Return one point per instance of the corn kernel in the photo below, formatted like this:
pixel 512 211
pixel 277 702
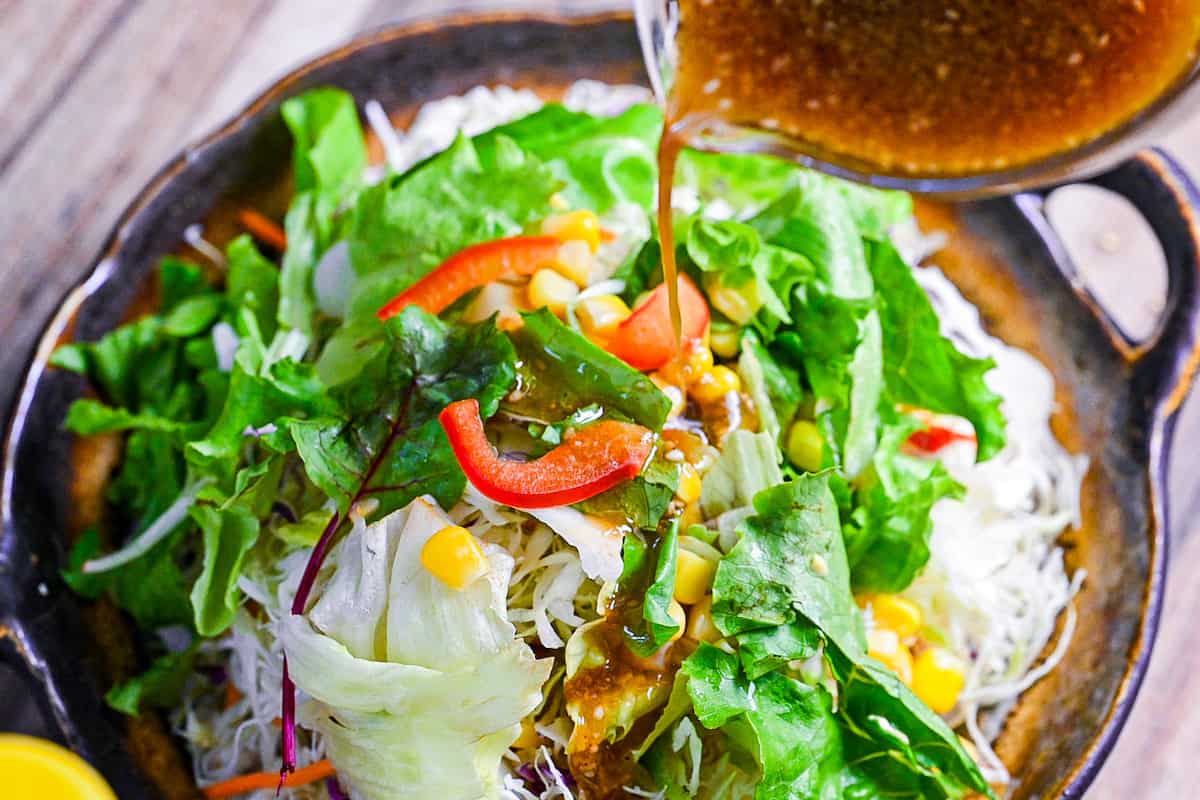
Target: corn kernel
pixel 885 646
pixel 550 289
pixel 600 315
pixel 895 613
pixel 496 298
pixel 725 341
pixel 700 547
pixel 691 515
pixel 697 360
pixel 714 384
pixel 454 557
pixel 679 616
pixel 938 677
pixel 688 489
pixel 528 738
pixel 580 225
pixel 805 446
pixel 673 392
pixel 693 577
pixel 575 261
pixel 700 625
pixel 739 304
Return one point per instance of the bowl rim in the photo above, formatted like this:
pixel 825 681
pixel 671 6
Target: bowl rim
pixel 1185 363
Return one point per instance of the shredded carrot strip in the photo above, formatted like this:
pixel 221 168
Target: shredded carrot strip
pixel 263 229
pixel 232 695
pixel 268 780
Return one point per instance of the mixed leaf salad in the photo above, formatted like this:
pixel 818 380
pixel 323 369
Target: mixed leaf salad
pixel 422 497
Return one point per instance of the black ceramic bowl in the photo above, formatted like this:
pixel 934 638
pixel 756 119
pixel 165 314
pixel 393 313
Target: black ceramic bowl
pixel 1119 399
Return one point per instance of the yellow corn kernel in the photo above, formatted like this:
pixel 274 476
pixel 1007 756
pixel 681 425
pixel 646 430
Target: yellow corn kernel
pixel 575 261
pixel 700 547
pixel 734 303
pixel 529 737
pixel 679 616
pixel 690 515
pixel 697 360
pixel 693 577
pixel 600 315
pixel 671 391
pixel 805 446
pixel 938 677
pixel 714 384
pixel 700 625
pixel 896 613
pixel 550 289
pixel 885 646
pixel 688 489
pixel 580 225
pixel 454 557
pixel 725 341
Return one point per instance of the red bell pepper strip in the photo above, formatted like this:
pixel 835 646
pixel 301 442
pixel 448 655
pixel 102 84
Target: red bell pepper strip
pixel 935 437
pixel 646 340
pixel 596 458
pixel 473 267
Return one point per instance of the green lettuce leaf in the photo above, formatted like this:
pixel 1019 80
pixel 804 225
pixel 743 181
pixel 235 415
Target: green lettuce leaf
pixel 151 589
pixel 748 464
pixel 642 272
pixel 816 219
pixel 87 417
pixel 887 537
pixel 788 725
pixel 386 441
pixel 229 534
pixel 922 368
pixel 328 152
pixel 734 259
pixel 601 161
pixel 790 566
pixel 896 745
pixel 643 500
pixel 406 225
pixel 179 279
pixel 160 686
pixel 193 316
pixel 310 229
pixel 260 394
pixel 745 182
pixel 328 159
pixel 111 363
pixel 649 573
pixel 774 387
pixel 252 283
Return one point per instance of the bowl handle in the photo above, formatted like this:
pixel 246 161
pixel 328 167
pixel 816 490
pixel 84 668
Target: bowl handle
pixel 1165 363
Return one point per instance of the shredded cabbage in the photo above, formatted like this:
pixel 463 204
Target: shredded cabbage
pixel 996 583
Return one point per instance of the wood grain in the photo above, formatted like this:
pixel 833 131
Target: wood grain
pixel 95 95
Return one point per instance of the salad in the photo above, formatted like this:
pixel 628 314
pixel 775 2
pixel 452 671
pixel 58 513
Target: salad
pixel 421 496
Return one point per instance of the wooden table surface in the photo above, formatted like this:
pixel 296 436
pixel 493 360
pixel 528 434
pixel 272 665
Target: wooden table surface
pixel 95 95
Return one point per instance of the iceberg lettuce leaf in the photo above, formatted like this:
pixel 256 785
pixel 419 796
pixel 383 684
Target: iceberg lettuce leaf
pixel 421 650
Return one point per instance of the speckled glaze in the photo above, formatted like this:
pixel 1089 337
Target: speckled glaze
pixel 1119 398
